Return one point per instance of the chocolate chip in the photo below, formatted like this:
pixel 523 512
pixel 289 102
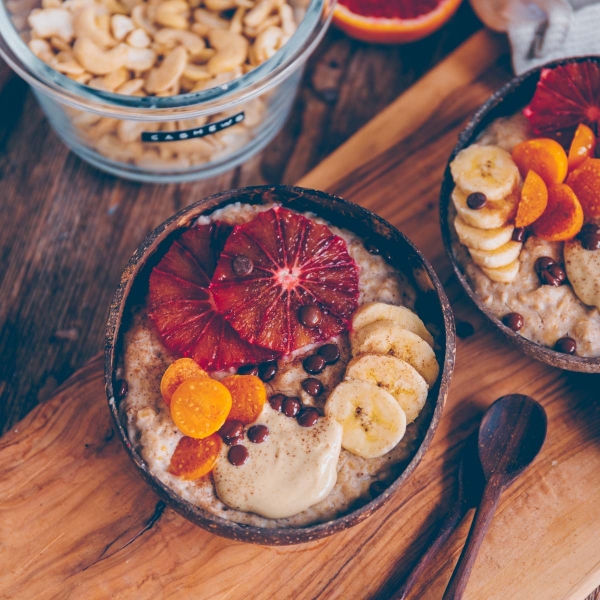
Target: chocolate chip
pixel 122 389
pixel 276 401
pixel 543 262
pixel 314 364
pixel 232 432
pixel 518 234
pixel 242 265
pixel 248 370
pixel 257 434
pixel 590 241
pixel 267 371
pixel 308 417
pixel 377 488
pixel 513 320
pixel 291 407
pixel 464 329
pixel 549 279
pixel 476 200
pixel 566 345
pixel 330 352
pixel 372 248
pixel 238 455
pixel 312 386
pixel 310 315
pixel 557 272
pixel 590 236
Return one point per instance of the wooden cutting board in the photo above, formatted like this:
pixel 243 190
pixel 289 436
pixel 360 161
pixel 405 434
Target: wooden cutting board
pixel 76 521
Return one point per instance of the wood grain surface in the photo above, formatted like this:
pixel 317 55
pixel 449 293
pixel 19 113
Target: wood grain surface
pixel 77 522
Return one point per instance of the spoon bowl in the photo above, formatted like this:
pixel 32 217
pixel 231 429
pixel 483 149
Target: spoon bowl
pixel 511 435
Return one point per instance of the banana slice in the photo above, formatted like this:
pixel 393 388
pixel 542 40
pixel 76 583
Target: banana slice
pixel 494 259
pixel 369 312
pixel 583 272
pixel 372 421
pixel 492 216
pixel 388 338
pixel 482 239
pixel 486 169
pixel 394 376
pixel 503 274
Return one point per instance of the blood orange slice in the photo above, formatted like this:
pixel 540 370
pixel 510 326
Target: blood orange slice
pixel 294 262
pixel 565 97
pixel 392 21
pixel 182 307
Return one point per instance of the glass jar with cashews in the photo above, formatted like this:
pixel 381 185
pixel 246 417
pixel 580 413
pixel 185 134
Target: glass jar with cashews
pixel 163 90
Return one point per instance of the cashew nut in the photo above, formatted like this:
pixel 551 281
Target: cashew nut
pixel 116 78
pixel 131 87
pixel 170 38
pixel 173 13
pixel 196 72
pixel 232 50
pixel 97 60
pixel 60 44
pixel 210 20
pixel 140 59
pixel 288 22
pixel 259 13
pixel 50 22
pixel 220 5
pixel 121 26
pixel 138 16
pixel 131 131
pixel 85 26
pixel 237 21
pixel 112 147
pixel 65 63
pixel 138 38
pixel 267 43
pixel 168 73
pixel 41 49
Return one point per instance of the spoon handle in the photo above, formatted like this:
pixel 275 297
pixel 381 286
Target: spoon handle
pixel 449 524
pixel 481 523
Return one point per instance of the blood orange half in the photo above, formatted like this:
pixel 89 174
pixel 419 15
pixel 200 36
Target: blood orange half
pixel 392 21
pixel 566 96
pixel 295 263
pixel 182 307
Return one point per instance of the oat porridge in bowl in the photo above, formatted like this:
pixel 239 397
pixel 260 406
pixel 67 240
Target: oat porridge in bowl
pixel 520 213
pixel 277 361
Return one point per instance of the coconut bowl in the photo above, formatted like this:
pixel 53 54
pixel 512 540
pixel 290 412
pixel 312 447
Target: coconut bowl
pixel 432 305
pixel 509 99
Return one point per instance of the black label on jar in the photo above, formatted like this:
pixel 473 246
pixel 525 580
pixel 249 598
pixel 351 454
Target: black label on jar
pixel 197 132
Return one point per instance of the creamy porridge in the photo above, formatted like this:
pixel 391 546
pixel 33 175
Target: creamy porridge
pixel 318 464
pixel 526 276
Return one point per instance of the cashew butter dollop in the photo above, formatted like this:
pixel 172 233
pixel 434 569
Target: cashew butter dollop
pixel 294 468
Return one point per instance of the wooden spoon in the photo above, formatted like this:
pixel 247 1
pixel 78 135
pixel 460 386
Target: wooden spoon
pixel 511 435
pixel 471 482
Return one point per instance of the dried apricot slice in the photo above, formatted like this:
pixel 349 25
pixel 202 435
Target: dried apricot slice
pixel 544 156
pixel 582 146
pixel 563 218
pixel 200 406
pixel 248 396
pixel 534 199
pixel 178 372
pixel 194 458
pixel 585 182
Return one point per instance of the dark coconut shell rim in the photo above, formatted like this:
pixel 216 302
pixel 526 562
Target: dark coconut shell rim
pixel 510 98
pixel 337 211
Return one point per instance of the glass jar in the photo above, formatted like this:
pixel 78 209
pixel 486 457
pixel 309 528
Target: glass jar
pixel 173 138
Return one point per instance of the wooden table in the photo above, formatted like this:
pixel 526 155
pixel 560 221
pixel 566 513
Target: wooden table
pixel 63 244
